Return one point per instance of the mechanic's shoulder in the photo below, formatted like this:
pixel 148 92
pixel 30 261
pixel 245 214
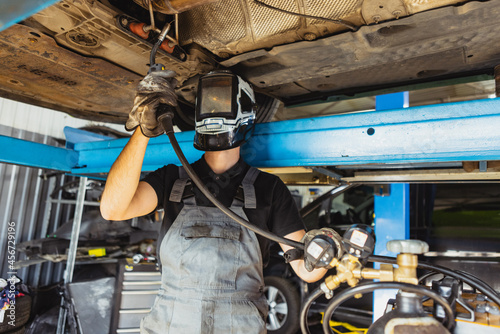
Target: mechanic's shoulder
pixel 267 179
pixel 171 167
pixel 167 171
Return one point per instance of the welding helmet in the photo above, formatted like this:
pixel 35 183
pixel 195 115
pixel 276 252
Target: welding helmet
pixel 224 113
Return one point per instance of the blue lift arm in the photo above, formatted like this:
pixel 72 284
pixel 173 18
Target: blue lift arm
pixel 31 154
pixel 463 131
pixel 14 11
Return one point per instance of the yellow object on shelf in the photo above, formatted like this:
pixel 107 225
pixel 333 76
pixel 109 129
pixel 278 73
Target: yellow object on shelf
pixel 97 252
pixel 352 329
pixel 334 325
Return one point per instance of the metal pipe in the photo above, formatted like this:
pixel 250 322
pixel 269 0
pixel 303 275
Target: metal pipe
pixel 73 245
pixel 497 80
pixel 45 227
pixel 69 201
pixel 151 15
pixel 151 26
pixel 178 6
pixel 50 272
pixel 177 27
pixel 75 232
pixel 21 215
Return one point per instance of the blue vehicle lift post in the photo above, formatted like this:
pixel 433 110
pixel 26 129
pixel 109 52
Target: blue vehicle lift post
pixel 392 210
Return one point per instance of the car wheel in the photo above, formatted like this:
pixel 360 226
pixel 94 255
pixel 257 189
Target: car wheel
pixel 267 107
pixel 284 306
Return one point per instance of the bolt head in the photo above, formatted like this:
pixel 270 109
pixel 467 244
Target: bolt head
pixel 310 36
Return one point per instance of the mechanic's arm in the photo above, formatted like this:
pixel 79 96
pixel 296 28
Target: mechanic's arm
pixel 124 197
pixel 298 265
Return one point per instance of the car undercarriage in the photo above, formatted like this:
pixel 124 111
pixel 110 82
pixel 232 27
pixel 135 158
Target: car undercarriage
pixel 86 57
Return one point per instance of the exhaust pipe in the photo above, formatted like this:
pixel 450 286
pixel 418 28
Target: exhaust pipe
pixel 173 6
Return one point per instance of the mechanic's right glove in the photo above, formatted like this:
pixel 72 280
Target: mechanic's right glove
pixel 321 247
pixel 157 88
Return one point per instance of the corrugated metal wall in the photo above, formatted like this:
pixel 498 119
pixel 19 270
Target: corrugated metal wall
pixel 23 201
pixel 42 120
pixel 24 191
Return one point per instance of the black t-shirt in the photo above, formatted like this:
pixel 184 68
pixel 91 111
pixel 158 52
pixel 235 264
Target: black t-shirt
pixel 276 209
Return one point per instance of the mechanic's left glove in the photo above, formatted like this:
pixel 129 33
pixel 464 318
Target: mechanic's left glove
pixel 157 88
pixel 321 247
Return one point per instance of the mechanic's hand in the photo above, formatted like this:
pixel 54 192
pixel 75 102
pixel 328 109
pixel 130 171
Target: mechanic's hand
pixel 321 246
pixel 155 89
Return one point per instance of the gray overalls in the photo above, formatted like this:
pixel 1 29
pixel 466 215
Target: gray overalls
pixel 211 271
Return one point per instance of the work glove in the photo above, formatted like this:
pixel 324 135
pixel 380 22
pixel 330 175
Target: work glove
pixel 321 246
pixel 155 89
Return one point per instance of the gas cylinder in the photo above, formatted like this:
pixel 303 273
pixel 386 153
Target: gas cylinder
pixel 407 317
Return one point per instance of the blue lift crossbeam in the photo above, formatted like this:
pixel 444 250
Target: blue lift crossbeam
pixel 463 131
pixel 14 11
pixel 31 154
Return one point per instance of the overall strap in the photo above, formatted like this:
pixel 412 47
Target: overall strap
pixel 178 192
pixel 178 189
pixel 248 188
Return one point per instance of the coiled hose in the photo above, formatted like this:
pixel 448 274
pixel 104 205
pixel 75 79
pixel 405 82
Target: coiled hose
pixel 305 310
pixel 372 286
pixel 471 280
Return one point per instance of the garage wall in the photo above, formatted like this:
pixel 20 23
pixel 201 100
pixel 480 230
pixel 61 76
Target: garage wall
pixel 43 121
pixel 23 201
pixel 25 190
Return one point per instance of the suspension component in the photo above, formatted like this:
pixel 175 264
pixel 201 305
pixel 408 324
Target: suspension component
pixel 172 6
pixel 150 35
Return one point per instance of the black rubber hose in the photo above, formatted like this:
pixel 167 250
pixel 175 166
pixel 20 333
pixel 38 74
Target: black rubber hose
pixel 433 272
pixel 479 281
pixel 318 201
pixel 467 278
pixel 154 50
pixel 305 310
pixel 166 122
pixel 470 279
pixel 372 286
pixel 429 274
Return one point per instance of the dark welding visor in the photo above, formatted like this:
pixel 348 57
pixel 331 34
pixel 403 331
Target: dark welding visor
pixel 217 97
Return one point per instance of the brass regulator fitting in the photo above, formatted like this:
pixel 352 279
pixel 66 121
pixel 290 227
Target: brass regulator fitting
pixel 350 269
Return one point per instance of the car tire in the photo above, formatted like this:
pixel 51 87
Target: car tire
pixel 267 107
pixel 284 306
